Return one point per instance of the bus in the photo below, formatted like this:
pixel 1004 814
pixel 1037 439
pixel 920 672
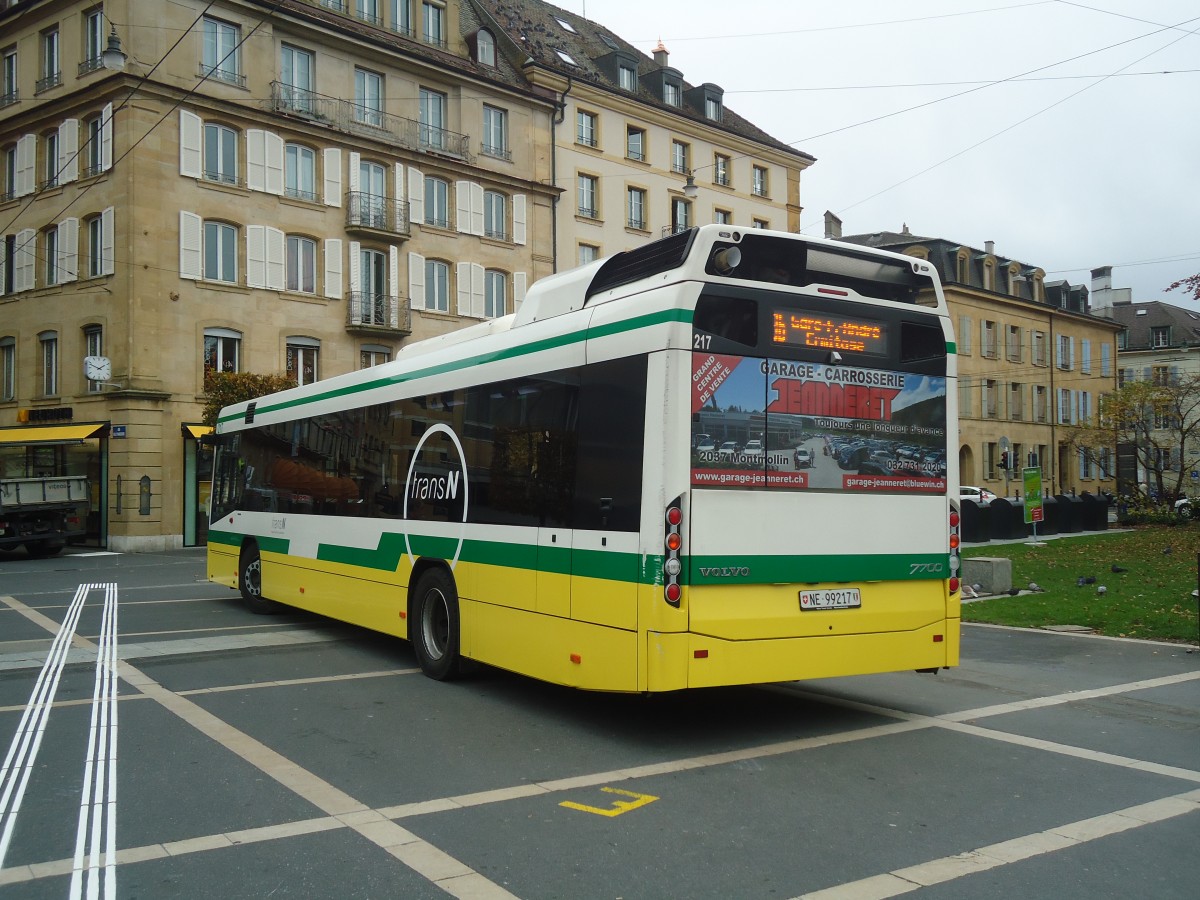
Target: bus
pixel 604 489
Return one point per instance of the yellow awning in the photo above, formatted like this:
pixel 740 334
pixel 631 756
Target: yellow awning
pixel 50 434
pixel 197 431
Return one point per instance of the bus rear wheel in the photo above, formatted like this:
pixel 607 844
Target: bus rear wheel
pixel 250 582
pixel 434 628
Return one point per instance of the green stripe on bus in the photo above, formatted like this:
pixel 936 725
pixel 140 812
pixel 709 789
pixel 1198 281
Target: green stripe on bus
pixel 735 569
pixel 650 319
pixel 951 347
pixel 234 539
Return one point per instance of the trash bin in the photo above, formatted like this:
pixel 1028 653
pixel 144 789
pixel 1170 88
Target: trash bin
pixel 975 527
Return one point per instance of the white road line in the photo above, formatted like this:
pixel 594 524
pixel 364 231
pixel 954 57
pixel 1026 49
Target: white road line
pixel 18 763
pixel 98 812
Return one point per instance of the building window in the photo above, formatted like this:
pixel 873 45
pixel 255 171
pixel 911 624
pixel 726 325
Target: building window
pixel 587 196
pixel 372 196
pixel 368 98
pixel 635 208
pixel 296 77
pixel 93 150
pixel 300 172
pixel 220 53
pixel 371 355
pixel 681 214
pixel 93 342
pixel 402 17
pixel 585 128
pixel 1123 339
pixel 368 11
pixel 51 71
pixel 991 398
pixel 8 264
pixel 671 93
pixel 437 202
pixel 1012 347
pixel 495 215
pixel 627 78
pixel 301 264
pixel 95 246
pixel 220 153
pixel 712 109
pixel 437 285
pixel 433 119
pixel 987 339
pixel 588 253
pixel 495 288
pixel 759 183
pixel 8 368
pixel 1016 398
pixel 220 252
pixel 761 224
pixel 49 144
pixel 495 132
pixel 1066 352
pixel 222 351
pixel 9 93
pixel 1064 406
pixel 1160 336
pixel 679 157
pixel 485 48
pixel 1040 404
pixel 50 241
pixel 1040 351
pixel 721 170
pixel 93 41
pixel 722 217
pixel 49 342
pixel 635 143
pixel 434 18
pixel 303 355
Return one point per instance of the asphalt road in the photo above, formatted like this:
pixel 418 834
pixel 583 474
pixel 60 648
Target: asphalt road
pixel 242 756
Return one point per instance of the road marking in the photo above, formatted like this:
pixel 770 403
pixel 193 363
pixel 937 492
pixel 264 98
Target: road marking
pixel 18 763
pixel 619 807
pixel 950 868
pixel 98 812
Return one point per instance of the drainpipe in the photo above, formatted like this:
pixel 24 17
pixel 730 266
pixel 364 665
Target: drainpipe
pixel 1053 448
pixel 556 119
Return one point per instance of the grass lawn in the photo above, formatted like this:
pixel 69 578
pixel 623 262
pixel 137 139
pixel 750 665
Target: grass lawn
pixel 1150 597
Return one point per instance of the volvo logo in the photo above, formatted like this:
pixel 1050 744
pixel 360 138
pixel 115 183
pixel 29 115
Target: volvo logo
pixel 725 572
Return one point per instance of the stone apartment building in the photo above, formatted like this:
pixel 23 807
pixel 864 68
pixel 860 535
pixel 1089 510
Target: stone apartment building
pixel 306 187
pixel 1033 359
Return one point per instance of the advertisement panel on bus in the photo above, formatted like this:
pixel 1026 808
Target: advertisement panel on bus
pixel 804 425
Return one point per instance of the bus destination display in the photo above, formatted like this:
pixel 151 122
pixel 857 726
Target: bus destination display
pixel 826 332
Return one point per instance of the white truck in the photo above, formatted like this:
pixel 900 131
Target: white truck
pixel 43 513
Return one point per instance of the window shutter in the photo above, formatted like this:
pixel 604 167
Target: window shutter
pixel 393 286
pixel 107 242
pixel 25 261
pixel 983 347
pixel 462 206
pixel 398 191
pixel 416 278
pixel 256 159
pixel 1085 354
pixel 520 280
pixel 463 277
pixel 68 151
pixel 274 160
pixel 68 249
pixel 477 309
pixel 477 209
pixel 106 137
pixel 26 163
pixel 333 181
pixel 276 258
pixel 3 272
pixel 416 195
pixel 333 268
pixel 355 250
pixel 256 256
pixel 1071 353
pixel 191 234
pixel 191 136
pixel 518 204
pixel 354 160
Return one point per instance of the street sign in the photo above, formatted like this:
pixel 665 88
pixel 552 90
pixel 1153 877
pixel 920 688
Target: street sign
pixel 118 431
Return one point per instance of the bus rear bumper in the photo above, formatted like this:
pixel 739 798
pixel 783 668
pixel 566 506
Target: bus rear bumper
pixel 686 660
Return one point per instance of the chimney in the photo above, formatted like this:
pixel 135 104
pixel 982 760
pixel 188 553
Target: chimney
pixel 990 247
pixel 1101 278
pixel 660 55
pixel 1104 295
pixel 833 226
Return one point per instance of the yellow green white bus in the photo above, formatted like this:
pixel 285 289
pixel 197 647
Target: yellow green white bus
pixel 720 458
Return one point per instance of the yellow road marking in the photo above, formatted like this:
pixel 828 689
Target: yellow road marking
pixel 618 806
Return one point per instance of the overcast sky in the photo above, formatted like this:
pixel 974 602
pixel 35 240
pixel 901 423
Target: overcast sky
pixel 1063 172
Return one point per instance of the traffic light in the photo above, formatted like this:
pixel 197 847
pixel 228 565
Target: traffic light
pixel 1004 461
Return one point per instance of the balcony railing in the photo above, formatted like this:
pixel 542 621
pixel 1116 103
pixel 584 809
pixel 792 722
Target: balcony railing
pixel 91 65
pixel 219 73
pixel 51 80
pixel 10 98
pixel 376 213
pixel 669 230
pixel 368 310
pixel 639 223
pixel 348 116
pixel 497 152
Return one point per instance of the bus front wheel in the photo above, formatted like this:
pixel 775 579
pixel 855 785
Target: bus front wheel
pixel 250 582
pixel 434 625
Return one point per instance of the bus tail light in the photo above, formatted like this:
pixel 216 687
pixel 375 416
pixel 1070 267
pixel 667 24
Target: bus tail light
pixel 955 540
pixel 672 543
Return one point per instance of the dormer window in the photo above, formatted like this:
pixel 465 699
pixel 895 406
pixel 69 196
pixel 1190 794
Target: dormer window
pixel 629 79
pixel 485 48
pixel 712 109
pixel 671 93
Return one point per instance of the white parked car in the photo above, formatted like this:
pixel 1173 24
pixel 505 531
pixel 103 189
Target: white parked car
pixel 803 458
pixel 978 494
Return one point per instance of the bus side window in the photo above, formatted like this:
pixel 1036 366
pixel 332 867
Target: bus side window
pixel 732 318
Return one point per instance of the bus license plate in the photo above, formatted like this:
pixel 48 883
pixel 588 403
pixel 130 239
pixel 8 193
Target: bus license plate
pixel 844 598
